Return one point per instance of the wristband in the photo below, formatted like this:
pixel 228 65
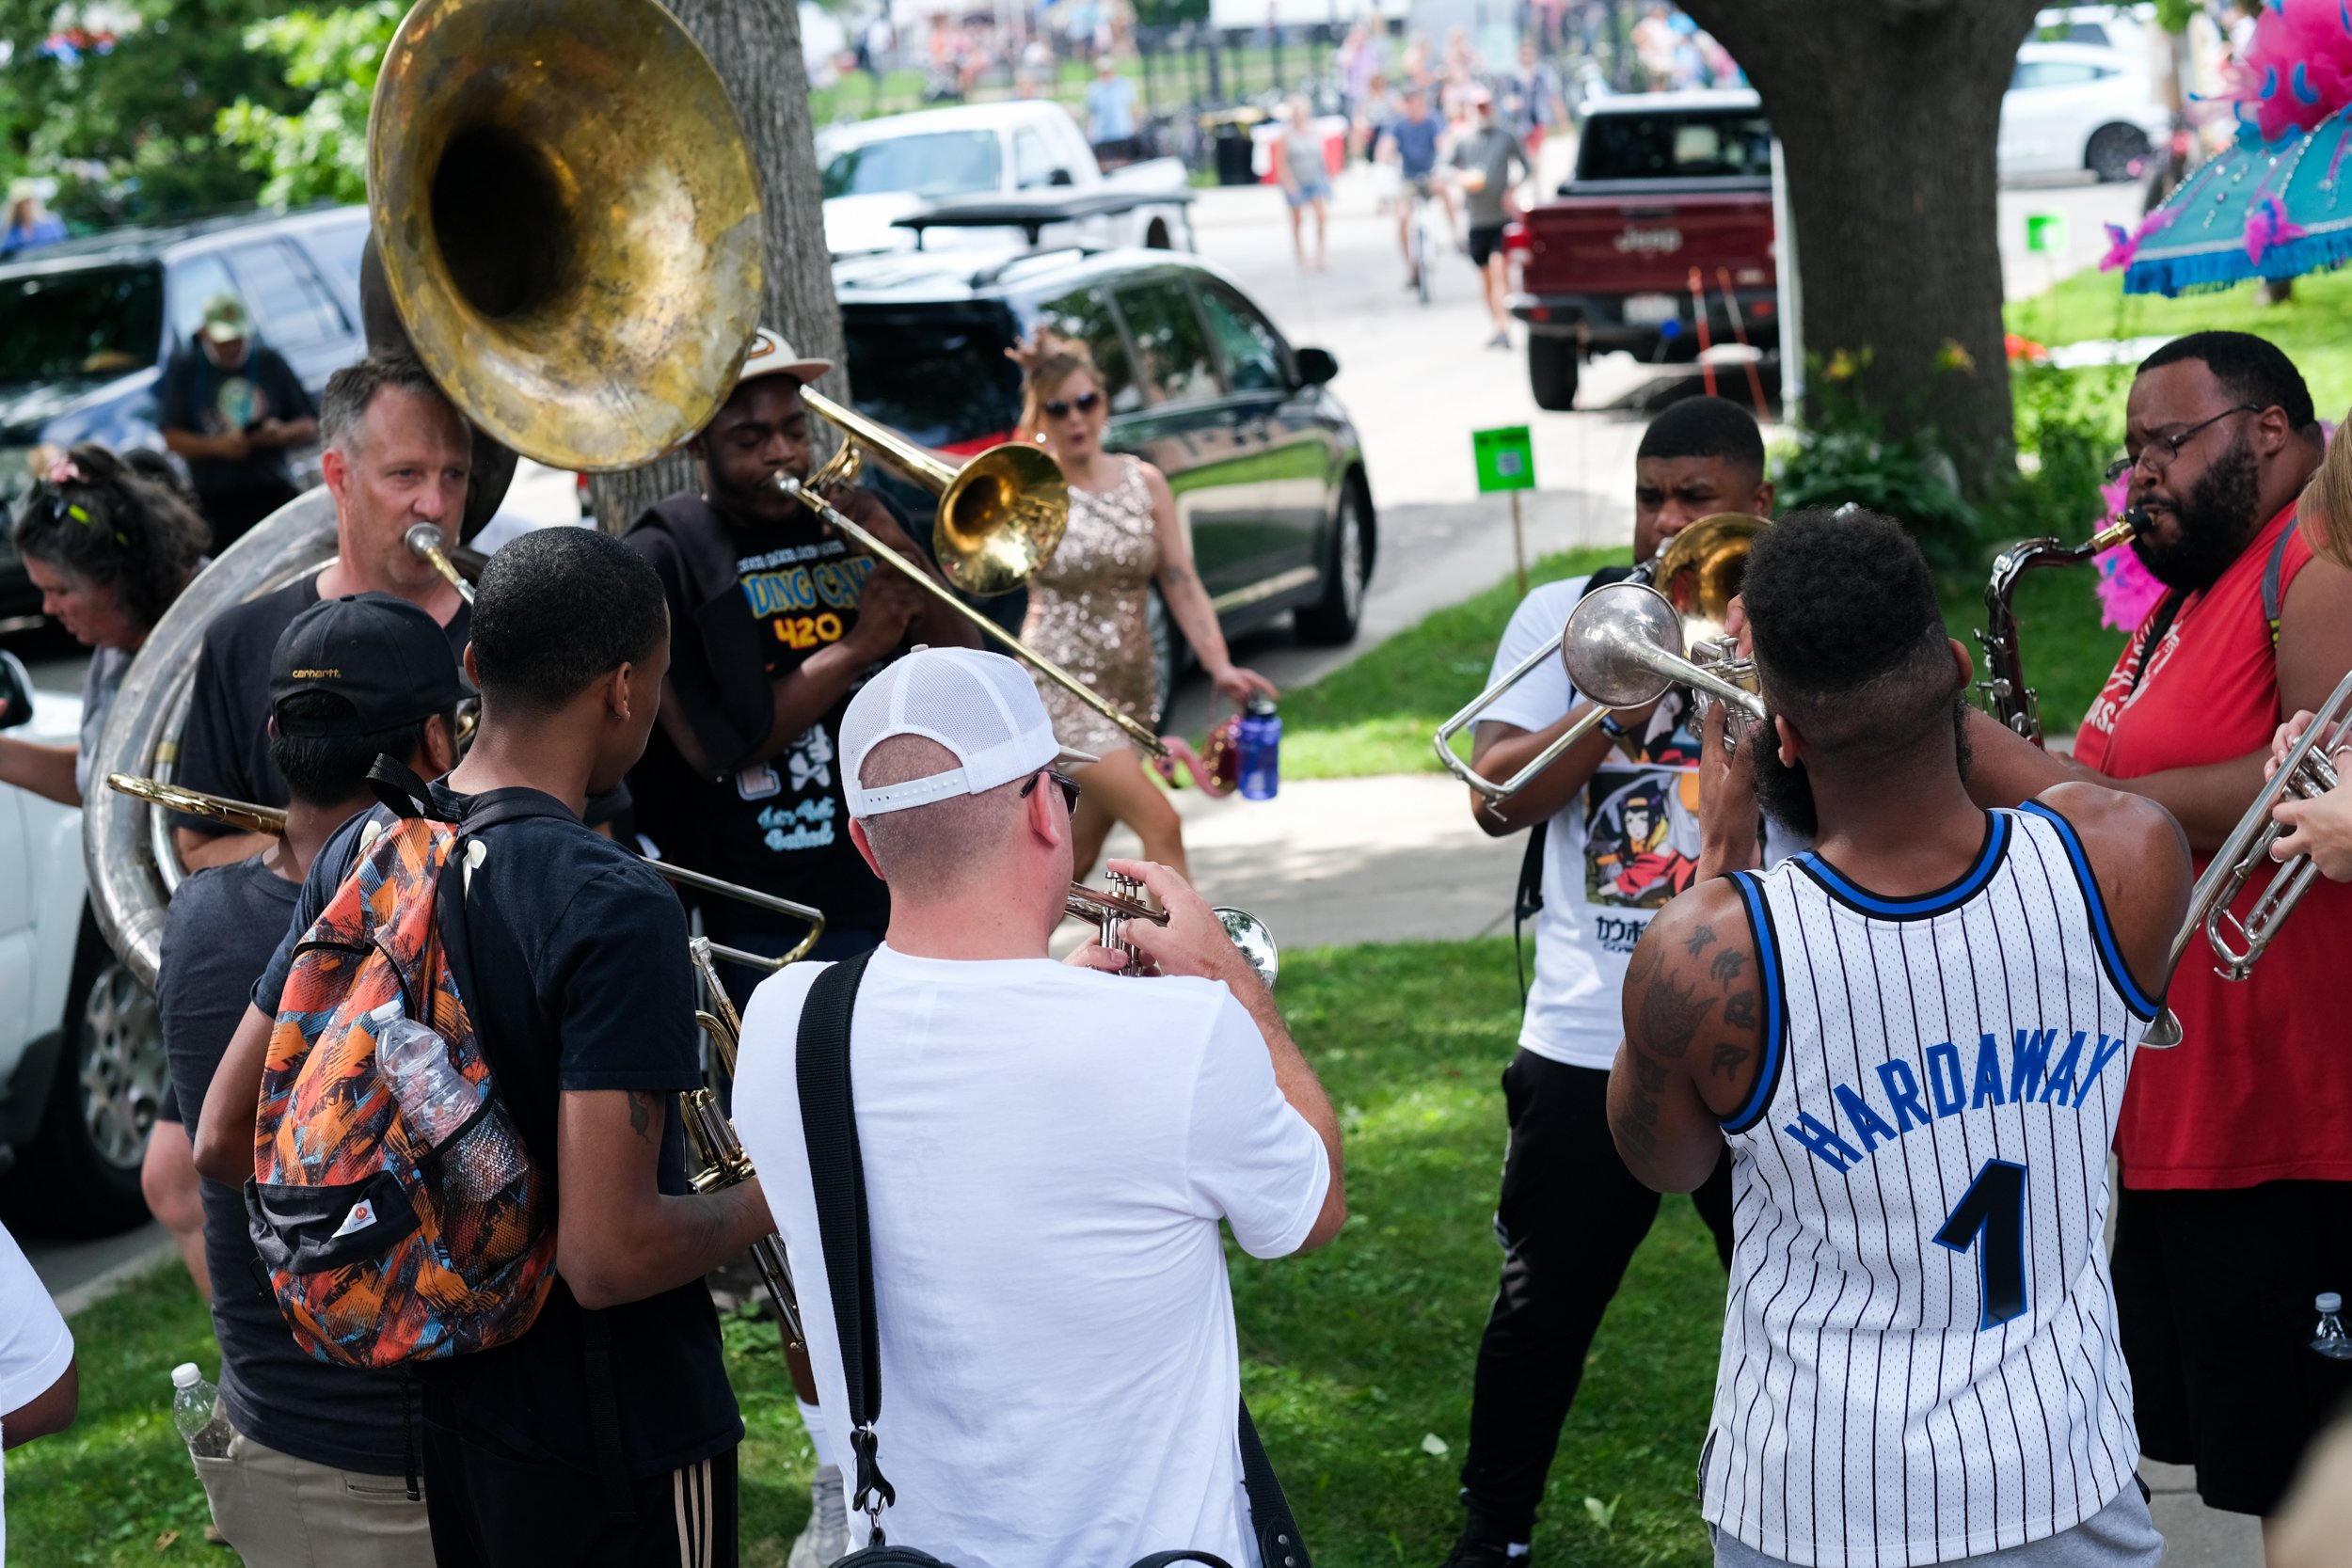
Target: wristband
pixel 1610 727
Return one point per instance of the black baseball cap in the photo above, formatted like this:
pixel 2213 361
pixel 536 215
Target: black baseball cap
pixel 386 660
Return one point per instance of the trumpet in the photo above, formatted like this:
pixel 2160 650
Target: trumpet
pixel 712 1136
pixel 2239 943
pixel 2010 700
pixel 999 519
pixel 1110 911
pixel 1701 568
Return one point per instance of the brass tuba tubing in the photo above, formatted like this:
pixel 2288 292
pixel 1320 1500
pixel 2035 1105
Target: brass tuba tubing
pixel 807 495
pixel 425 542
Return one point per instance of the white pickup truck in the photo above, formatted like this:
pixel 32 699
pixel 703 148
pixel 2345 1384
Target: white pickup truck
pixel 81 1055
pixel 877 171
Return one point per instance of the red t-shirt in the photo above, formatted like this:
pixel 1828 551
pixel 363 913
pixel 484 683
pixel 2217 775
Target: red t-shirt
pixel 2258 1089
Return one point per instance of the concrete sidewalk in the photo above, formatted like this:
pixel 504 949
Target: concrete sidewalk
pixel 1335 861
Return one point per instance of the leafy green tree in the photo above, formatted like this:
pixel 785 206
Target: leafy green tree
pixel 318 153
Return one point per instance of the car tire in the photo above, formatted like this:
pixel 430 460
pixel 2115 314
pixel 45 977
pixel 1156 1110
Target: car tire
pixel 1167 649
pixel 2115 152
pixel 84 1163
pixel 1333 619
pixel 1551 371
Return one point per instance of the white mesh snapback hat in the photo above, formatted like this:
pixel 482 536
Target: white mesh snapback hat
pixel 983 708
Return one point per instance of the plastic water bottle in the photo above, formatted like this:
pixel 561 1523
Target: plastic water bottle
pixel 436 1101
pixel 196 1410
pixel 2330 1338
pixel 1260 750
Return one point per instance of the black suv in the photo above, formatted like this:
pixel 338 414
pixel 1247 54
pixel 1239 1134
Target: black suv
pixel 1266 468
pixel 86 327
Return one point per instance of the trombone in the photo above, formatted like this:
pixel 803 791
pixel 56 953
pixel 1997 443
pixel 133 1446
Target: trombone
pixel 1000 517
pixel 2238 941
pixel 1701 567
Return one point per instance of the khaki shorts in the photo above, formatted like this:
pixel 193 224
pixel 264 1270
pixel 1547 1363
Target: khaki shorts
pixel 279 1512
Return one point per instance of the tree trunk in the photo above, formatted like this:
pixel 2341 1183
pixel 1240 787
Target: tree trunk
pixel 1888 112
pixel 756 45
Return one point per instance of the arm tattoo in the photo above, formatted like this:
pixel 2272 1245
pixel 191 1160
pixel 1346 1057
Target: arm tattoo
pixel 645 1114
pixel 1727 1059
pixel 1671 1014
pixel 1727 964
pixel 1740 1012
pixel 1699 941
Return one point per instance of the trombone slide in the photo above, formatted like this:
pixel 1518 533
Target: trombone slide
pixel 1141 735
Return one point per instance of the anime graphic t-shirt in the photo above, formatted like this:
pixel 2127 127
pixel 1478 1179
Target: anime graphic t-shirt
pixel 1613 856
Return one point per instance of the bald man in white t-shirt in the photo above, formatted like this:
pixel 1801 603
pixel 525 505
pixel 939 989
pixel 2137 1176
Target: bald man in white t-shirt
pixel 1047 1149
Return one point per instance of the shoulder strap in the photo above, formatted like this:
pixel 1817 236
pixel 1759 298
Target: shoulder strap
pixel 1279 1545
pixel 2274 573
pixel 837 1178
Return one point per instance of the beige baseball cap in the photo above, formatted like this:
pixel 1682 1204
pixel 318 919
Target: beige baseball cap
pixel 771 355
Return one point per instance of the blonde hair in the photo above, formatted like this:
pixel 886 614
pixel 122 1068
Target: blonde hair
pixel 2326 503
pixel 1045 379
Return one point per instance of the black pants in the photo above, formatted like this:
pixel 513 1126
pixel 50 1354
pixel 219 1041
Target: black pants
pixel 1569 1218
pixel 233 514
pixel 489 1510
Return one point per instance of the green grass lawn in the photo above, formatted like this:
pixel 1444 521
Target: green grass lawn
pixel 1355 1357
pixel 2315 326
pixel 1376 715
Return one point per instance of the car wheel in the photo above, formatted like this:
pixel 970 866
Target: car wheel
pixel 2116 153
pixel 1551 371
pixel 1333 619
pixel 1162 631
pixel 84 1164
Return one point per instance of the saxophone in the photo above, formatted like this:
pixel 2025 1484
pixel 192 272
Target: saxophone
pixel 2011 700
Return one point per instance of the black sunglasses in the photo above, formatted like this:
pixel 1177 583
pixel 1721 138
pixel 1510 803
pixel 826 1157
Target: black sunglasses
pixel 1085 403
pixel 1068 787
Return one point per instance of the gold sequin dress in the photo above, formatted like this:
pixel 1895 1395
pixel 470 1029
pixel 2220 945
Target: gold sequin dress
pixel 1087 612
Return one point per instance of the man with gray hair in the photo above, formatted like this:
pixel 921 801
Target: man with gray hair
pixel 1047 1150
pixel 397 454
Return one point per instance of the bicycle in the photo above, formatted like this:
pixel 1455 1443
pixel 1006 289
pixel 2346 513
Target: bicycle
pixel 1425 244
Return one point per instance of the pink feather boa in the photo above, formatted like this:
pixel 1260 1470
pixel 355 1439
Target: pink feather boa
pixel 2297 71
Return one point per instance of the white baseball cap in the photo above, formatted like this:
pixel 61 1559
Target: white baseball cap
pixel 771 353
pixel 983 708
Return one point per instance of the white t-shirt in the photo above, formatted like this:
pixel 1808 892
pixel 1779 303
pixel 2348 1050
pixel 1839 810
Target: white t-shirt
pixel 1614 855
pixel 1047 1153
pixel 36 1347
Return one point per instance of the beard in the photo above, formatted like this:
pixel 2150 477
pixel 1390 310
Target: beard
pixel 2216 517
pixel 1786 793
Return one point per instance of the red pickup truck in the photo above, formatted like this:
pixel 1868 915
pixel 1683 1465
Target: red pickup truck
pixel 1666 185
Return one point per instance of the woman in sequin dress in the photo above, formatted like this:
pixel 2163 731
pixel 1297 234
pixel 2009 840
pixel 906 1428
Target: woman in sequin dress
pixel 1087 606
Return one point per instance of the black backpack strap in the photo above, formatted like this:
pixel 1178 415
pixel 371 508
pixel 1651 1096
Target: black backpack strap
pixel 403 794
pixel 838 1178
pixel 2274 579
pixel 1279 1545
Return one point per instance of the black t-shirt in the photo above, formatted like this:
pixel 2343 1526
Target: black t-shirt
pixel 223 926
pixel 198 395
pixel 749 604
pixel 576 973
pixel 224 747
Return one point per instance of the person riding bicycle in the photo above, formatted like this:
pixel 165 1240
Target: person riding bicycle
pixel 1413 134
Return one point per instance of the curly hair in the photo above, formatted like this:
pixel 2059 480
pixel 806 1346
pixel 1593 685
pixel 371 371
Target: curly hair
pixel 107 522
pixel 1044 378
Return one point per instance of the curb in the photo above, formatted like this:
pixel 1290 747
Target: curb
pixel 107 1281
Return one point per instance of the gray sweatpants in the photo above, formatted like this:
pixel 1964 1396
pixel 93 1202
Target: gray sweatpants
pixel 2120 1535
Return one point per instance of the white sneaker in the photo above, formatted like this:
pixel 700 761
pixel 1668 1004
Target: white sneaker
pixel 825 1540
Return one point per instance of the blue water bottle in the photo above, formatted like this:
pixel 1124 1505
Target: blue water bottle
pixel 1260 750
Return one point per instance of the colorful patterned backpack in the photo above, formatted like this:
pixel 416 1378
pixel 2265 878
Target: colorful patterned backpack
pixel 400 1215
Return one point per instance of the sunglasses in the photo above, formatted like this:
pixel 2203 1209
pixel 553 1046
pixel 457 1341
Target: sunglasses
pixel 1085 403
pixel 1068 787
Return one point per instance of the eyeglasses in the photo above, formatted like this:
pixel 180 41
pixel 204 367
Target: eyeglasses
pixel 2160 451
pixel 1085 403
pixel 1068 787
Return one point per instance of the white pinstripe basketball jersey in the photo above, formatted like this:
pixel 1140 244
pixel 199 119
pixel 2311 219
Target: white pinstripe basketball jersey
pixel 1920 1359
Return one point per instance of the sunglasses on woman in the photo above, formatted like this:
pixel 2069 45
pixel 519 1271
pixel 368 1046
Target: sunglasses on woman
pixel 1085 403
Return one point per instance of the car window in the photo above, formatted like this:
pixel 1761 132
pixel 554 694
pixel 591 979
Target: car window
pixel 1032 165
pixel 1085 316
pixel 2031 74
pixel 1252 352
pixel 1172 353
pixel 937 163
pixel 1727 144
pixel 935 373
pixel 339 246
pixel 292 307
pixel 91 322
pixel 195 283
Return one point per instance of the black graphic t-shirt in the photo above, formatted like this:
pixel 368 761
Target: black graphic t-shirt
pixel 198 395
pixel 749 605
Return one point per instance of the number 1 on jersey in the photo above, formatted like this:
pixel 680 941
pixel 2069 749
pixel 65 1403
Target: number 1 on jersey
pixel 1990 1218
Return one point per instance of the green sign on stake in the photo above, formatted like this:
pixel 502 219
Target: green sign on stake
pixel 1506 461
